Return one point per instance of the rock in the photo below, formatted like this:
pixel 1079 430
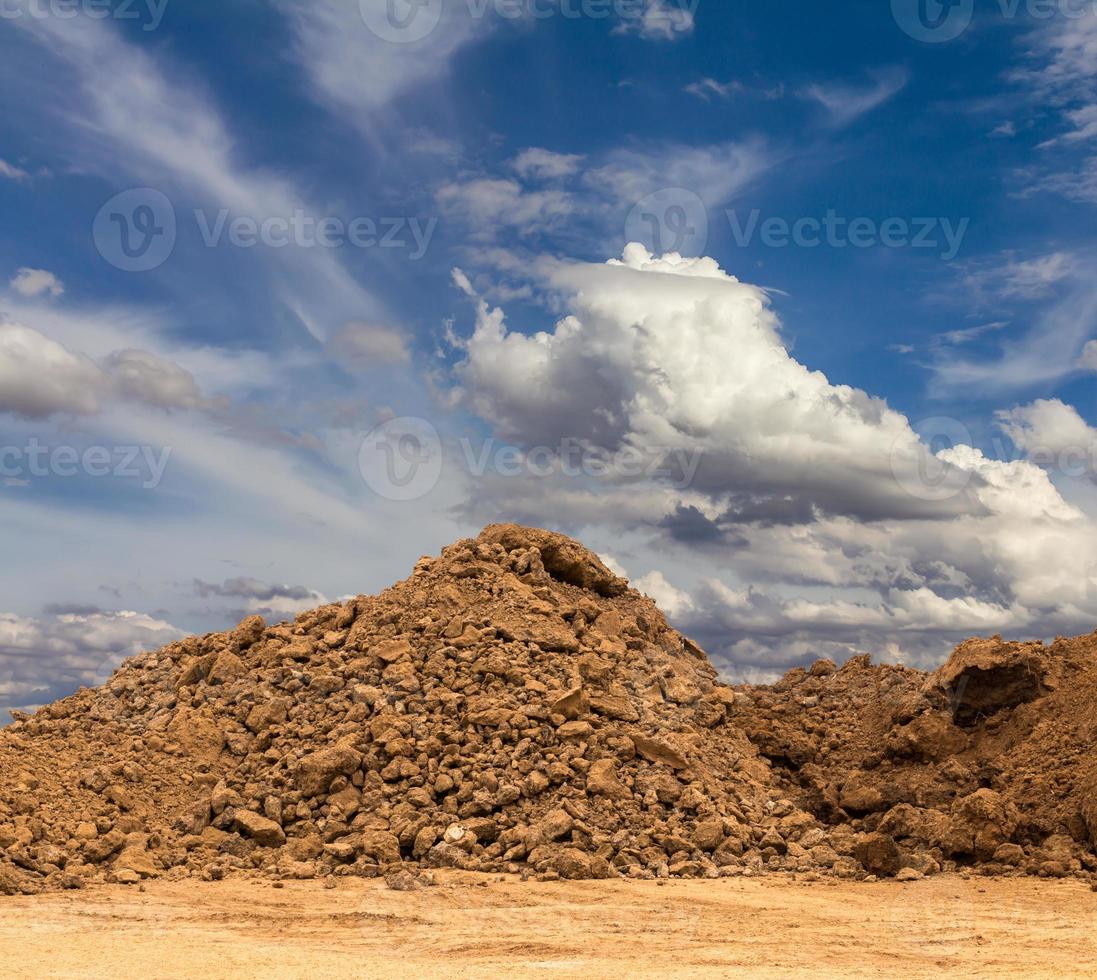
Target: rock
pixel 11 881
pixel 602 780
pixel 392 650
pixel 860 794
pixel 267 715
pixel 136 858
pixel 381 845
pixel 262 830
pixel 198 735
pixel 226 668
pixel 402 881
pixel 657 750
pixel 878 854
pixel 572 705
pixel 567 862
pixel 564 559
pixel 86 831
pixel 981 822
pixel 618 708
pixel 909 874
pixel 315 772
pixel 983 676
pixel 708 835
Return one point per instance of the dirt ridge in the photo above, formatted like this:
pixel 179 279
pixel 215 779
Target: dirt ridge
pixel 514 706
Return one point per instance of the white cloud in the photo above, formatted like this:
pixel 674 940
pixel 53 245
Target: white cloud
pixel 1008 277
pixel 40 377
pixel 666 352
pixel 137 375
pixel 488 204
pixel 1084 121
pixel 846 103
pixel 819 495
pixel 42 659
pixel 353 69
pixel 714 172
pixel 659 20
pixel 707 88
pixel 600 191
pixel 11 172
pixel 539 164
pixel 35 282
pixel 1059 78
pixel 674 602
pixel 125 117
pixel 1046 352
pixel 362 346
pixel 1053 435
pixel 1088 360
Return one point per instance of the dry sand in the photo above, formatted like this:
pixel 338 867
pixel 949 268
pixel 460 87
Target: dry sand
pixel 478 925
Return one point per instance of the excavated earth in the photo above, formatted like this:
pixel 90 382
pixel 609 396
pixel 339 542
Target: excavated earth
pixel 514 707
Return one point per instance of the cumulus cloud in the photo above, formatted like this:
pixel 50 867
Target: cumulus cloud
pixel 45 658
pixel 1053 435
pixel 40 377
pixel 35 282
pixel 669 352
pixel 820 510
pixel 136 375
pixel 674 602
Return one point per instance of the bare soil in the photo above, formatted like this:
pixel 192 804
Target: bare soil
pixel 483 925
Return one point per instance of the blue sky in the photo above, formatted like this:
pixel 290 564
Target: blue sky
pixel 255 254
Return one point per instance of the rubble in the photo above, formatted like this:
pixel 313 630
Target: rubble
pixel 987 763
pixel 513 707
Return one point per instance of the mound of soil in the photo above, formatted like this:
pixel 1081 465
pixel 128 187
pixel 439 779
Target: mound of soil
pixel 987 762
pixel 514 706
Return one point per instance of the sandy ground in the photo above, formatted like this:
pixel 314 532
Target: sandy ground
pixel 472 925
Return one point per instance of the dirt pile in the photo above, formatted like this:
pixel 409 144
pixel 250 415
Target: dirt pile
pixel 514 707
pixel 989 761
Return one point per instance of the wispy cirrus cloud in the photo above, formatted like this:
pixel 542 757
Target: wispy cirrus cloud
pixel 845 103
